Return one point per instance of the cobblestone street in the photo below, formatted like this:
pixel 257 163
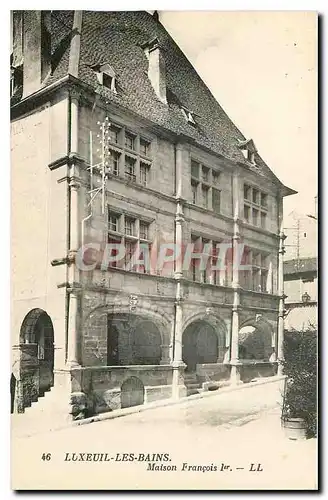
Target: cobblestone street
pixel 232 430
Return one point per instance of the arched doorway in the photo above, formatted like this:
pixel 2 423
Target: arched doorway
pixel 37 330
pixel 255 341
pixel 200 344
pixel 132 340
pixel 132 392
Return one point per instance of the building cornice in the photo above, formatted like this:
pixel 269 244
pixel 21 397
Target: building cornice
pixel 37 98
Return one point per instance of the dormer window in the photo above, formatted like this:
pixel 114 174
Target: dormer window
pixel 248 149
pixel 189 115
pixel 250 156
pixel 106 76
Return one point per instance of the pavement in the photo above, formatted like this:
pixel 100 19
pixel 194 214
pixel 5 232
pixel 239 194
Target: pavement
pixel 227 441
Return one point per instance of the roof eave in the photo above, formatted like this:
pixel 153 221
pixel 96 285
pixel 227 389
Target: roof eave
pixel 287 191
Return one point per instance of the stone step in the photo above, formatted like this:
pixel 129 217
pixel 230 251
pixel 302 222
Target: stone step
pixel 191 391
pixel 49 403
pixel 193 385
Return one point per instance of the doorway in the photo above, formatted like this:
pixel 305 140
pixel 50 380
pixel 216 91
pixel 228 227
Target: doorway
pixel 37 330
pixel 200 345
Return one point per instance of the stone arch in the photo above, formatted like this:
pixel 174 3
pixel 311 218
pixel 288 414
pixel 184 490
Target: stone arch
pixel 132 392
pixel 158 316
pixel 36 355
pixel 29 326
pixel 203 340
pixel 215 321
pixel 133 340
pixel 255 339
pixel 116 335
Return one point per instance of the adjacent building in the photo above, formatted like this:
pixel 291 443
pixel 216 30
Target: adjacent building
pixel 301 289
pixel 116 140
pixel 301 271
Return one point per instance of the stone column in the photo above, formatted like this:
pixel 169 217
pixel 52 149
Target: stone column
pixel 165 356
pixel 178 275
pixel 281 313
pixel 226 358
pixel 73 274
pixel 74 185
pixel 73 354
pixel 179 221
pixel 74 108
pixel 178 331
pixel 74 309
pixel 178 388
pixel 234 351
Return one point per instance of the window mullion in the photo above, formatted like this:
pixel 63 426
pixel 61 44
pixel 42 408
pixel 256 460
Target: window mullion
pixel 137 170
pixel 210 263
pixel 209 202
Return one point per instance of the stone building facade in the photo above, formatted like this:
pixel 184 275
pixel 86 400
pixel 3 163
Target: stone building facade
pixel 179 172
pixel 301 292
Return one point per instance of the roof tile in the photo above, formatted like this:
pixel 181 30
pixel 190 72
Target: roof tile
pixel 117 38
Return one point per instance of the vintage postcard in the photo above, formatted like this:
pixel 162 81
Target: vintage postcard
pixel 164 250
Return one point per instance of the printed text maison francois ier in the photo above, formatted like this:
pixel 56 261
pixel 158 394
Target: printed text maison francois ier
pixel 158 462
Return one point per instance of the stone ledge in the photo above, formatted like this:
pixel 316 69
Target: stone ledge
pixel 123 367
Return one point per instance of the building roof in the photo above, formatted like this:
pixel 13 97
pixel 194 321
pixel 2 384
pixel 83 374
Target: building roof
pixel 300 266
pixel 117 38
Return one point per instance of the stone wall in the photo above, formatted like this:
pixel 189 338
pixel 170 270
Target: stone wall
pixel 39 217
pixel 103 385
pixel 213 372
pixel 249 371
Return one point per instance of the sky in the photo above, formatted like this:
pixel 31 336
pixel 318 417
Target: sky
pixel 262 68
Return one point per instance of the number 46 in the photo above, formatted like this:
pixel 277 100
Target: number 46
pixel 46 456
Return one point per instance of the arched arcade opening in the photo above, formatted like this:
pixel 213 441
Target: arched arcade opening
pixel 132 340
pixel 36 359
pixel 255 341
pixel 202 343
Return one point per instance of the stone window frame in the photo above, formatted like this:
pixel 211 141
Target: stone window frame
pixel 144 173
pixel 130 168
pixel 255 209
pixel 113 223
pixel 208 183
pixel 121 237
pixel 126 155
pixel 114 162
pixel 252 280
pixel 144 152
pixel 129 136
pixel 211 277
pixel 129 226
